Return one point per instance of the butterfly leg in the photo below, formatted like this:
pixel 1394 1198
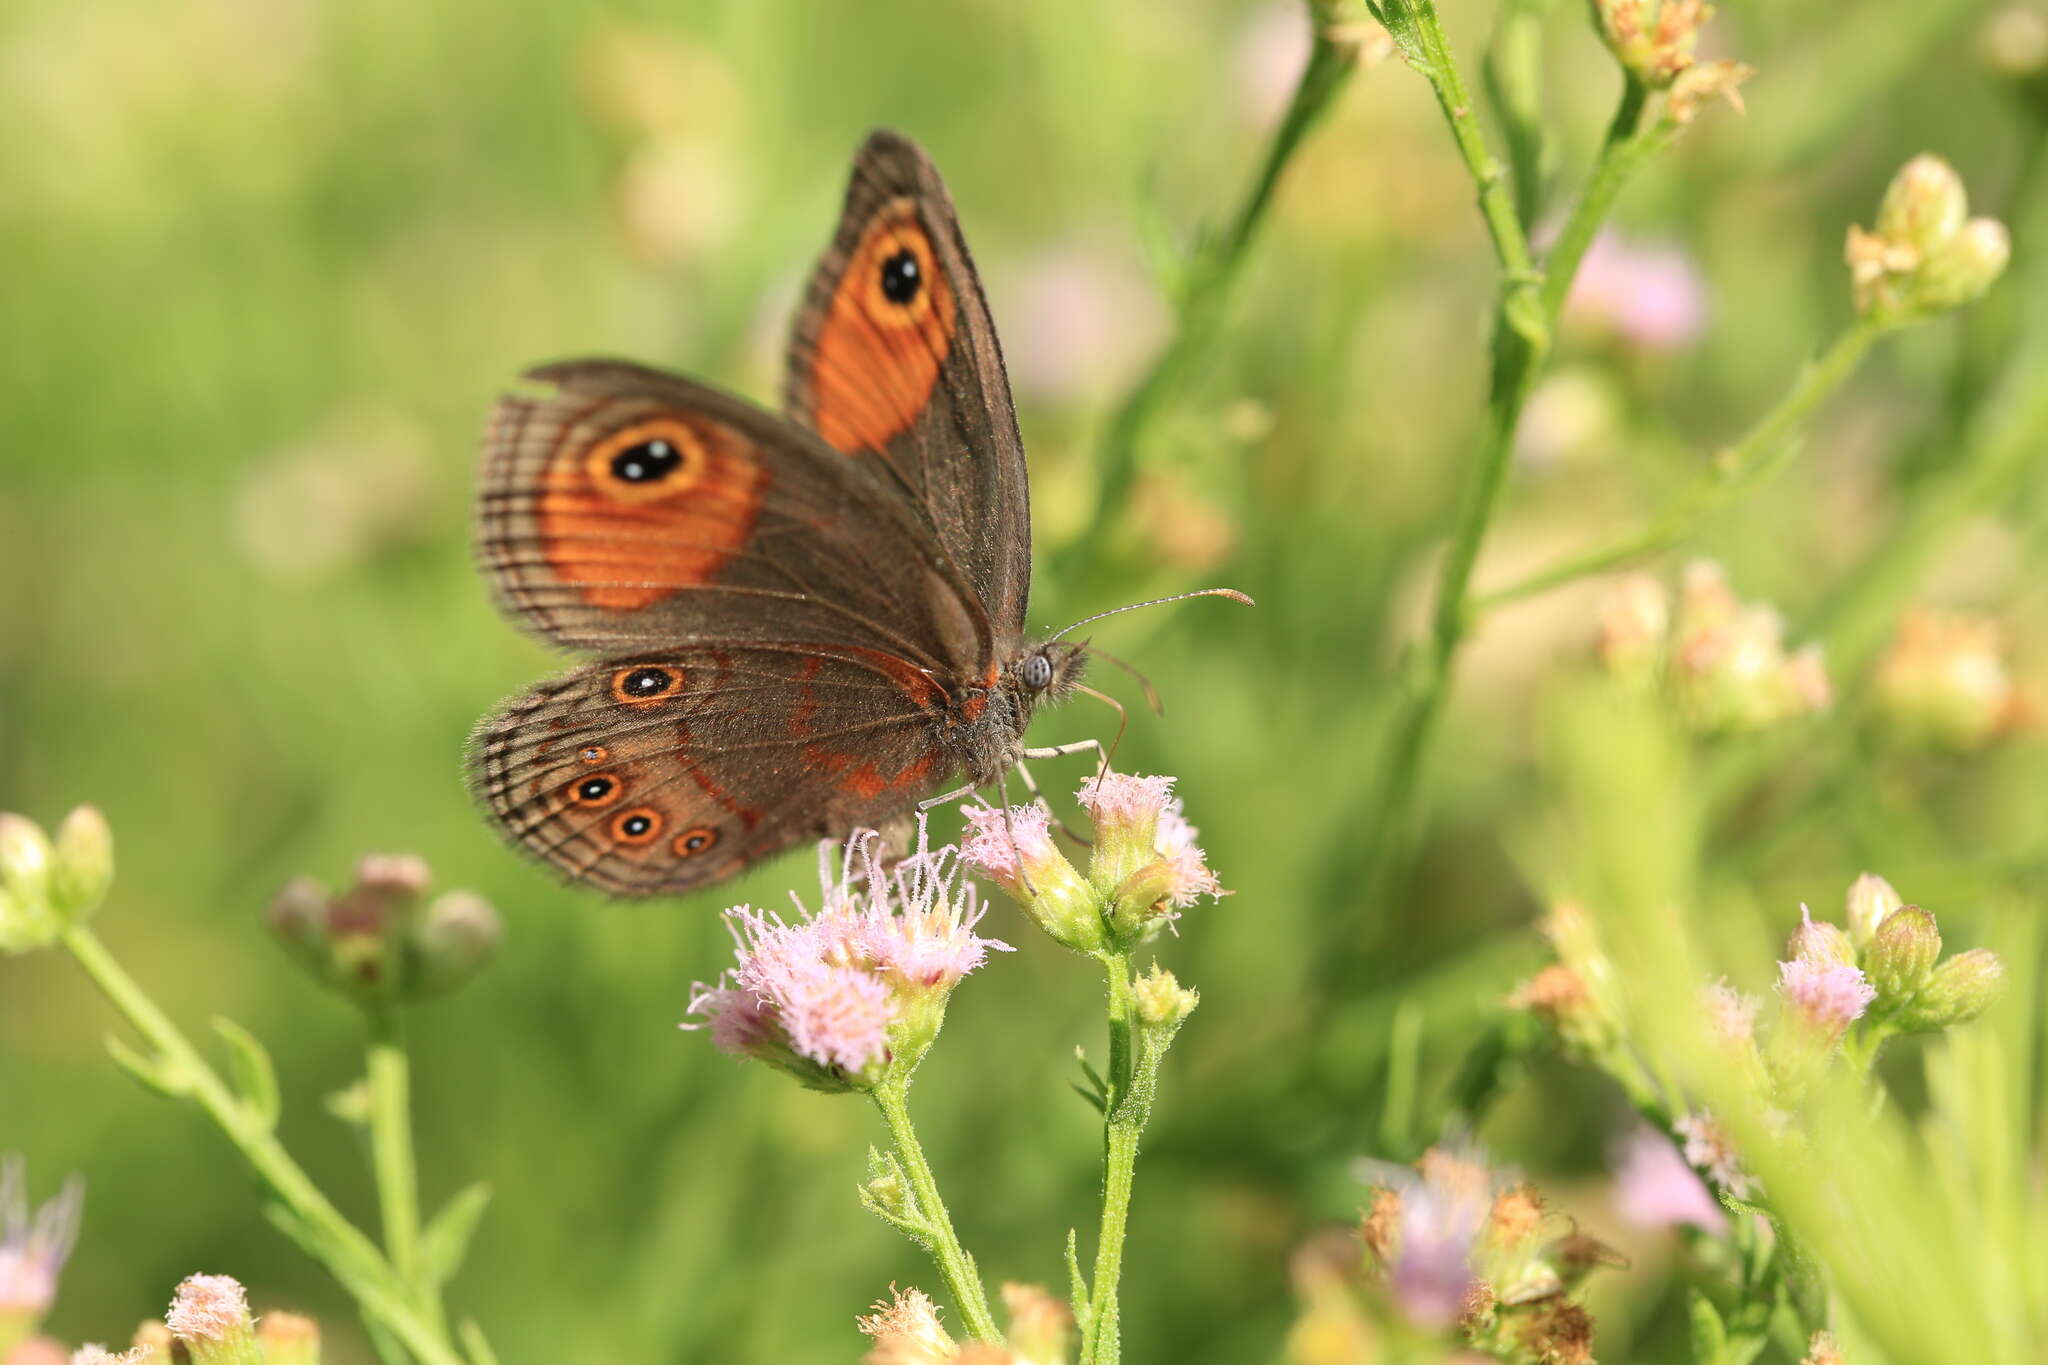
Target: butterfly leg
pixel 1030 785
pixel 1079 746
pixel 945 797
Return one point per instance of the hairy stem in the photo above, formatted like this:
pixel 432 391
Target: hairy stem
pixel 955 1265
pixel 1132 1078
pixel 352 1257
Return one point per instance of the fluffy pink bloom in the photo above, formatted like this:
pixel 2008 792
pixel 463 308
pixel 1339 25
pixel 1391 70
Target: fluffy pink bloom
pixel 1648 295
pixel 33 1247
pixel 828 986
pixel 1655 1188
pixel 1007 846
pixel 208 1308
pixel 1191 876
pixel 1125 799
pixel 1441 1212
pixel 1829 996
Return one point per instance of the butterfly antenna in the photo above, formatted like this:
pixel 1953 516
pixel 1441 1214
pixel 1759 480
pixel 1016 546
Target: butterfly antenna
pixel 1232 593
pixel 1151 692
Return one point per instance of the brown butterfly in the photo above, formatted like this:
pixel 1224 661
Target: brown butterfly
pixel 807 624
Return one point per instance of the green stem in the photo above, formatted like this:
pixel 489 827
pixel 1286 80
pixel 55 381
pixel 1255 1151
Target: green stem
pixel 391 1154
pixel 1210 276
pixel 352 1257
pixel 955 1265
pixel 1628 146
pixel 1132 1079
pixel 1751 460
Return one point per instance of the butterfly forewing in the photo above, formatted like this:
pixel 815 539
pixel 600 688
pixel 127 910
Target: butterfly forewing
pixel 895 362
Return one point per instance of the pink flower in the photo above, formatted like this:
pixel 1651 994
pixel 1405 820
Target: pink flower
pixel 834 994
pixel 33 1248
pixel 1189 874
pixel 1425 1227
pixel 1125 799
pixel 1014 848
pixel 1730 1014
pixel 208 1308
pixel 1655 1188
pixel 1829 996
pixel 1650 296
pixel 1079 321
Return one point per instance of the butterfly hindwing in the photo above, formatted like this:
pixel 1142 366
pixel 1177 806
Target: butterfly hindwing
pixel 661 771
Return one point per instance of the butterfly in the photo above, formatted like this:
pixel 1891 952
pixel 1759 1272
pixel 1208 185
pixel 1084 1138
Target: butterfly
pixel 804 623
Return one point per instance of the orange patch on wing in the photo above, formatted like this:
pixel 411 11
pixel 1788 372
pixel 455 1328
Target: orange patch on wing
pixel 878 357
pixel 658 505
pixel 864 778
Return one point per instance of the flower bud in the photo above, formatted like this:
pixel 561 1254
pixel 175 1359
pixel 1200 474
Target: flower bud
pixel 1125 810
pixel 1822 1350
pixel 152 1343
pixel 1013 847
pixel 2014 43
pixel 1924 206
pixel 376 943
pixel 1698 86
pixel 1957 991
pixel 1041 1327
pixel 1871 901
pixel 210 1318
pixel 289 1339
pixel 83 866
pixel 32 1353
pixel 1163 1003
pixel 1905 950
pixel 1966 267
pixel 1635 618
pixel 1820 942
pixel 26 917
pixel 1944 683
pixel 457 936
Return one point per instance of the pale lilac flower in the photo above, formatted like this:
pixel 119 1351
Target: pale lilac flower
pixel 1190 876
pixel 1829 996
pixel 1010 845
pixel 1145 858
pixel 1425 1229
pixel 89 1355
pixel 33 1247
pixel 1649 295
pixel 906 1330
pixel 1731 1015
pixel 1708 1151
pixel 829 987
pixel 1655 1188
pixel 208 1308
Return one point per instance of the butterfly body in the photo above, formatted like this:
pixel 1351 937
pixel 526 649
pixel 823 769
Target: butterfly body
pixel 801 623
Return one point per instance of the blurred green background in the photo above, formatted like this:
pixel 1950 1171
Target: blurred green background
pixel 267 263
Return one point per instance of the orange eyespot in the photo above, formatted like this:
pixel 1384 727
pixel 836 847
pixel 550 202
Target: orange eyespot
pixel 885 336
pixel 645 684
pixel 641 825
pixel 694 841
pixel 658 458
pixel 598 789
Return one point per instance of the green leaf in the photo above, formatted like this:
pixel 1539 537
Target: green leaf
pixel 156 1073
pixel 1709 1337
pixel 255 1074
pixel 444 1243
pixel 480 1352
pixel 1077 1286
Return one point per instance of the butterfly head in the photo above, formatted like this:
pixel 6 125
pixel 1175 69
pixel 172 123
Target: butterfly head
pixel 1044 672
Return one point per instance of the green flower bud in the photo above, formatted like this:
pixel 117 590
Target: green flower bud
pixel 1959 990
pixel 1163 1003
pixel 289 1339
pixel 83 868
pixel 1821 942
pixel 1924 206
pixel 1870 902
pixel 1905 950
pixel 1961 271
pixel 27 920
pixel 1014 848
pixel 458 934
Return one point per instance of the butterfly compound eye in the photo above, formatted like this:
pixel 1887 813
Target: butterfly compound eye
pixel 902 277
pixel 1037 672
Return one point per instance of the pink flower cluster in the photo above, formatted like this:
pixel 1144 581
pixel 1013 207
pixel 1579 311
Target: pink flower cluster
pixel 1125 802
pixel 829 986
pixel 33 1248
pixel 1829 996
